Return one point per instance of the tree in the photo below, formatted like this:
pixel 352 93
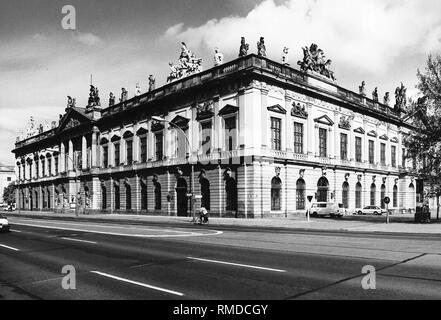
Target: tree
pixel 424 143
pixel 9 193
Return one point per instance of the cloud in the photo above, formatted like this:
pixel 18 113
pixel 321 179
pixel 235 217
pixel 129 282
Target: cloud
pixel 363 35
pixel 88 39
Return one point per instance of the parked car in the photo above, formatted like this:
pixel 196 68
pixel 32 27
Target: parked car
pixel 372 210
pixel 4 224
pixel 327 209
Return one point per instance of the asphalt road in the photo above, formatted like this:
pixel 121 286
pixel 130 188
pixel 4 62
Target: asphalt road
pixel 198 263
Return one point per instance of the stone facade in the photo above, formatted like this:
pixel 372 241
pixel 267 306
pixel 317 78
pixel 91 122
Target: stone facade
pixel 260 137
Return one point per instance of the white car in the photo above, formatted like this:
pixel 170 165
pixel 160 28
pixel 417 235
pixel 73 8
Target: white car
pixel 4 223
pixel 372 210
pixel 327 209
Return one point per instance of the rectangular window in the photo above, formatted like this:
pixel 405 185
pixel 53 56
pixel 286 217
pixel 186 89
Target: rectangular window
pixel 383 154
pixel 276 134
pixel 371 152
pixel 143 148
pixel 43 169
pixel 158 146
pixel 403 159
pixel 105 156
pixel 230 134
pixel 298 138
pixel 323 143
pixel 358 149
pixel 117 152
pixel 49 166
pixel 129 151
pixel 206 137
pixel 343 146
pixel 56 165
pixel 394 156
pixel 37 168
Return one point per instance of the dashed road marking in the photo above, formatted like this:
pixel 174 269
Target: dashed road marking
pixel 237 264
pixel 8 247
pixel 78 240
pixel 138 283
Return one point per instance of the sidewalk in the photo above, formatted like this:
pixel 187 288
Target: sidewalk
pixel 399 224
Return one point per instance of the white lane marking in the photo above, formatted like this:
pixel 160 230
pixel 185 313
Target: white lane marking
pixel 8 247
pixel 78 240
pixel 16 231
pixel 237 264
pixel 108 226
pixel 138 283
pixel 189 234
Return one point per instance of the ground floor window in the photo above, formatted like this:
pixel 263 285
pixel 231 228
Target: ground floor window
pixel 276 192
pixel 300 194
pixel 345 195
pixel 231 194
pixel 358 192
pixel 103 197
pixel 322 190
pixel 117 198
pixel 373 192
pixel 383 195
pixel 395 197
pixel 128 197
pixel 157 196
pixel 205 192
pixel 143 196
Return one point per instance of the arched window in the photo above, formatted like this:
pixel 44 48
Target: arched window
pixel 358 192
pixel 395 197
pixel 103 197
pixel 205 192
pixel 383 195
pixel 36 199
pixel 300 194
pixel 345 195
pixel 276 192
pixel 181 194
pixel 322 190
pixel 231 194
pixel 143 196
pixel 373 192
pixel 128 197
pixel 43 196
pixel 117 198
pixel 157 196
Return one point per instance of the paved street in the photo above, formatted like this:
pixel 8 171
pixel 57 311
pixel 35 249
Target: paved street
pixel 114 261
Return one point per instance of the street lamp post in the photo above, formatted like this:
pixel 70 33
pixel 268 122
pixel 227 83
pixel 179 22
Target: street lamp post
pixel 159 119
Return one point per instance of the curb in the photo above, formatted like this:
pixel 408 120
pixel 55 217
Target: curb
pixel 187 224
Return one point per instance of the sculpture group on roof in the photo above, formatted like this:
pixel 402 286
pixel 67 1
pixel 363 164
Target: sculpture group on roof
pixel 71 102
pixel 94 99
pixel 314 60
pixel 244 47
pixel 400 98
pixel 261 48
pixel 188 65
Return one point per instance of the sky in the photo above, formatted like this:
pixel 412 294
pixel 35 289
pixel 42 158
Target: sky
pixel 382 42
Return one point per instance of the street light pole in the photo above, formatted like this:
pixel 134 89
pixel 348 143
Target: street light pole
pixel 159 119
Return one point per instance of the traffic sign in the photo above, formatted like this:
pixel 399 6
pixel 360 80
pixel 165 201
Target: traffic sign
pixel 386 200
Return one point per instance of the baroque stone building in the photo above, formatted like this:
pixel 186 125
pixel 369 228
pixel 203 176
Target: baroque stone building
pixel 263 139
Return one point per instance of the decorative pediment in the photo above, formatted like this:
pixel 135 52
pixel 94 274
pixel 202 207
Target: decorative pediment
pixel 205 110
pixel 141 132
pixel 115 138
pixel 345 123
pixel 157 126
pixel 384 137
pixel 299 111
pixel 372 134
pixel 277 108
pixel 359 130
pixel 228 109
pixel 394 140
pixel 104 141
pixel 128 134
pixel 181 122
pixel 72 119
pixel 324 120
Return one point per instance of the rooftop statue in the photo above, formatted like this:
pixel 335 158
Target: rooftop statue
pixel 111 99
pixel 400 98
pixel 314 60
pixel 243 51
pixel 94 99
pixel 375 94
pixel 285 56
pixel 362 89
pixel 386 99
pixel 218 57
pixel 31 130
pixel 124 95
pixel 71 102
pixel 261 48
pixel 137 90
pixel 152 83
pixel 188 65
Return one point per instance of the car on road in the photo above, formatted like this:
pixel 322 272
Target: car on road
pixel 327 209
pixel 372 210
pixel 4 224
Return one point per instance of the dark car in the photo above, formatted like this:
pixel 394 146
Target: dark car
pixel 4 224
